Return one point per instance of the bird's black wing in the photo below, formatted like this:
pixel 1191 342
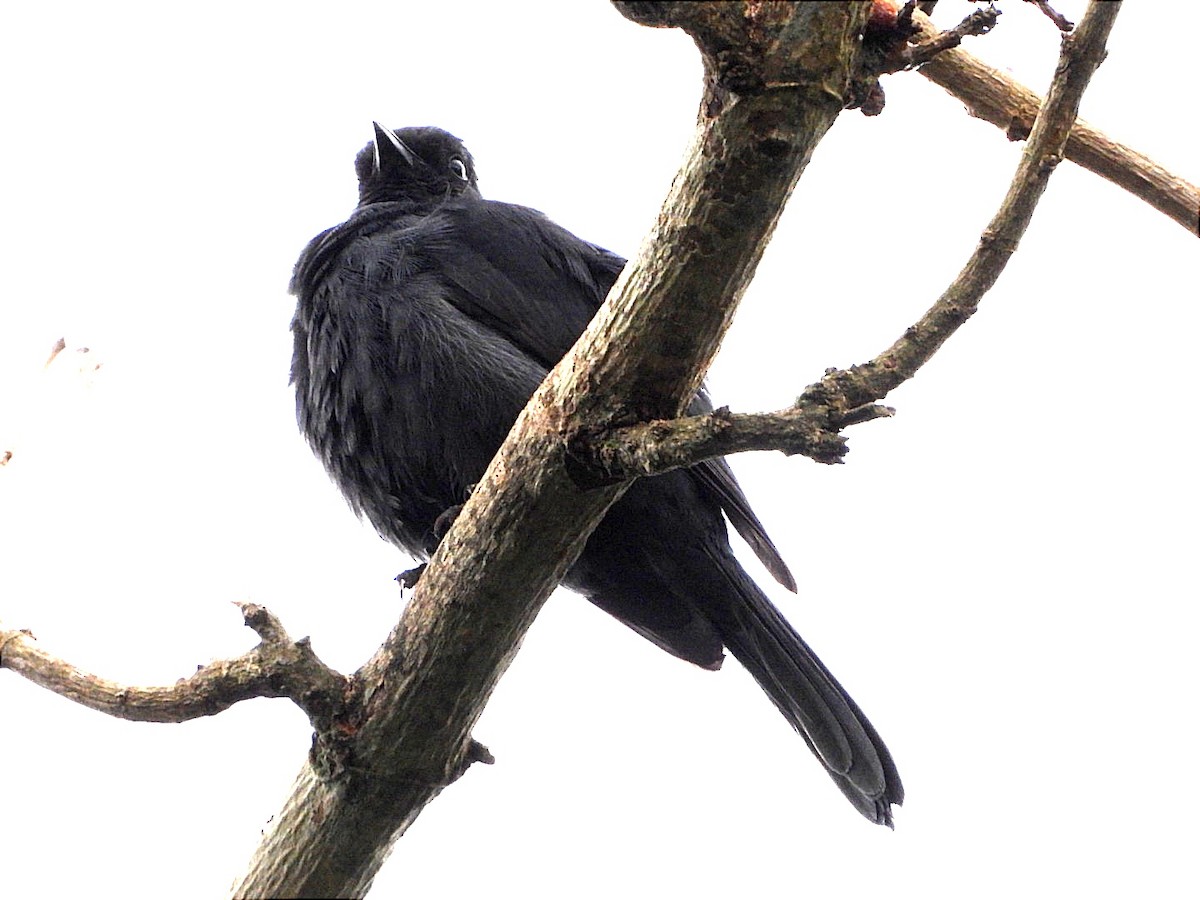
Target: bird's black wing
pixel 403 395
pixel 542 301
pixel 513 270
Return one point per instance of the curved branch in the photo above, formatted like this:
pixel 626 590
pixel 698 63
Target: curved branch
pixel 277 667
pixel 997 97
pixel 1082 53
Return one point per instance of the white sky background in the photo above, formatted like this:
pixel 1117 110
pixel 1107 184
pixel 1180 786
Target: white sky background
pixel 1003 575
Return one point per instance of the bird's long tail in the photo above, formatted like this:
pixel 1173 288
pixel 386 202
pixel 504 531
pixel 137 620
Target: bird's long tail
pixel 809 697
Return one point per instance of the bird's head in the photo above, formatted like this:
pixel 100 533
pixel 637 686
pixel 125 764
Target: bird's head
pixel 424 165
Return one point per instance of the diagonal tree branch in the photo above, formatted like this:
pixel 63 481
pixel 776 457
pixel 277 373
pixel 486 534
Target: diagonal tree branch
pixel 997 97
pixel 776 78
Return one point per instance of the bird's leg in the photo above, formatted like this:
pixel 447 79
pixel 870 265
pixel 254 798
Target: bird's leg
pixel 443 522
pixel 441 525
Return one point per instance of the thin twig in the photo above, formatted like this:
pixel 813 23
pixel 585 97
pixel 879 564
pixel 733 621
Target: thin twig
pixel 980 21
pixel 1061 22
pixel 1082 52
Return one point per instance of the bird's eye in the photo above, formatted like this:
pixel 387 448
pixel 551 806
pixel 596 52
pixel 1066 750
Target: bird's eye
pixel 459 168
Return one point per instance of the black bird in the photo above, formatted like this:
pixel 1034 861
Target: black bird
pixel 424 324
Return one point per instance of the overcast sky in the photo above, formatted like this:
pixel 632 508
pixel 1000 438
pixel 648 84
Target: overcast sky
pixel 1002 575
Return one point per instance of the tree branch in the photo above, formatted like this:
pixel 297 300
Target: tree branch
pixel 997 97
pixel 776 78
pixel 845 397
pixel 1082 53
pixel 652 448
pixel 1061 22
pixel 980 21
pixel 277 667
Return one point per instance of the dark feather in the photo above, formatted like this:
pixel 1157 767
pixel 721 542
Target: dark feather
pixel 423 325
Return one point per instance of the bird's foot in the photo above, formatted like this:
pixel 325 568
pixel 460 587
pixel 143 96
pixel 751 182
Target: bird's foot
pixel 409 577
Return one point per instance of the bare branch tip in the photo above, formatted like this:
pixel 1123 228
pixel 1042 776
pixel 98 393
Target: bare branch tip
pixel 1061 22
pixel 263 622
pixel 478 753
pixel 865 413
pixel 979 22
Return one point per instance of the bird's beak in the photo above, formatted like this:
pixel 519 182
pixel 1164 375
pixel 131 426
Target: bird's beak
pixel 388 147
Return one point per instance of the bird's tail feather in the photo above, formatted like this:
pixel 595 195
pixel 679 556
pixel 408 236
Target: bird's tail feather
pixel 809 697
